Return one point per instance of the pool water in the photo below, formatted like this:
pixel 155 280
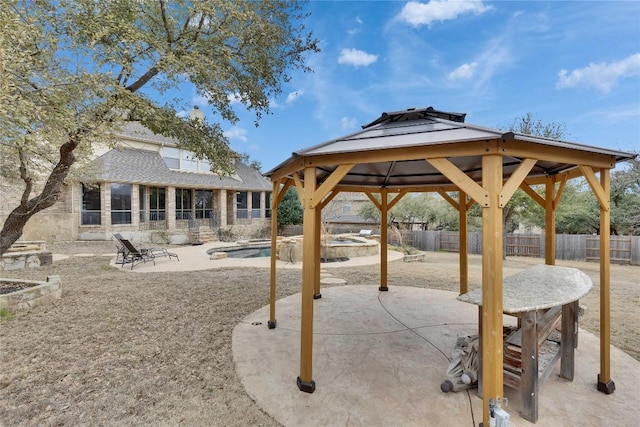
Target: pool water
pixel 263 252
pixel 249 252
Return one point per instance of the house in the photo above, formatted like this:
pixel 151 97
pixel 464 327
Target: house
pixel 147 188
pixel 341 213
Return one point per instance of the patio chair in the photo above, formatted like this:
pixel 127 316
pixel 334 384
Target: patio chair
pixel 128 253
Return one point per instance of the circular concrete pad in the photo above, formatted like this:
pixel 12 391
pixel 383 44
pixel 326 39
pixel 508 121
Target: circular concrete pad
pixel 380 357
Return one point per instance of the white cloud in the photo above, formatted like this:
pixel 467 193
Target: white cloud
pixel 236 133
pixel 463 72
pixel 292 96
pixel 416 13
pixel 348 123
pixel 273 103
pixel 200 100
pixel 357 28
pixel 600 76
pixel 357 58
pixel 234 98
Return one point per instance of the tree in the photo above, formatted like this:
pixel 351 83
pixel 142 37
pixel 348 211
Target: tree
pixel 520 203
pixel 73 70
pixel 625 199
pixel 290 210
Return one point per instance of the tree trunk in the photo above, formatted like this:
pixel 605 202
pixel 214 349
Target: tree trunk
pixel 18 218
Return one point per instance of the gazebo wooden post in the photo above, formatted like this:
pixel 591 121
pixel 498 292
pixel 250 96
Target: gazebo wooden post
pixel 462 207
pixel 462 227
pixel 305 381
pixel 550 221
pixel 492 233
pixel 317 253
pixel 384 237
pixel 276 198
pixel 605 383
pixel 274 232
pixel 602 191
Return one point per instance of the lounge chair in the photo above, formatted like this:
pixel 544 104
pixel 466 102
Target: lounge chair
pixel 128 253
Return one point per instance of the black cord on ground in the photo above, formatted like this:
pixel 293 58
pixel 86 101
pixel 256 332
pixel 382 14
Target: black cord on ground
pixel 473 418
pixel 433 345
pixel 411 329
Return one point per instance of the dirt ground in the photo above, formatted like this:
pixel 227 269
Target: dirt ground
pixel 122 349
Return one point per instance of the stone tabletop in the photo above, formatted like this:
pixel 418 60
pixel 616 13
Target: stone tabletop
pixel 538 287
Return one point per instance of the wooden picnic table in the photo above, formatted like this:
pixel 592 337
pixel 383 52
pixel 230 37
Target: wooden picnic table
pixel 541 297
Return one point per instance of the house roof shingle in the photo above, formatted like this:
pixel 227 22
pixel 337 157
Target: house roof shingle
pixel 147 167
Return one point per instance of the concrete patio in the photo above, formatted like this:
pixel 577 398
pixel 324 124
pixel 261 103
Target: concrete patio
pixel 380 357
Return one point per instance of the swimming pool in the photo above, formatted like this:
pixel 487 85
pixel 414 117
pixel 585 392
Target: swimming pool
pixel 249 252
pixel 252 252
pixel 337 248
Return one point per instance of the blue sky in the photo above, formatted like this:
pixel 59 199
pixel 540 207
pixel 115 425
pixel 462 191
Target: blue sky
pixel 574 62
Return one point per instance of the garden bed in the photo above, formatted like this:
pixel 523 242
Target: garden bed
pixel 16 295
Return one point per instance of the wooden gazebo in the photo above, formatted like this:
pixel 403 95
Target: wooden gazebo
pixel 422 150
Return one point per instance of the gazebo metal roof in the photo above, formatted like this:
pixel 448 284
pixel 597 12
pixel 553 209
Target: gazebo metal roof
pixel 406 135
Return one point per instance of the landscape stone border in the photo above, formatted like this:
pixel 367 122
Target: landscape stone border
pixel 37 293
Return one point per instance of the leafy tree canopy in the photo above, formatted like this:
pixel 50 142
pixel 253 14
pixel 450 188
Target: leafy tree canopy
pixel 72 70
pixel 290 210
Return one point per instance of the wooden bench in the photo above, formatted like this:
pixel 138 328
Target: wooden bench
pixel 545 299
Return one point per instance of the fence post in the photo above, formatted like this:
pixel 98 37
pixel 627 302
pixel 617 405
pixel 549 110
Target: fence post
pixel 635 250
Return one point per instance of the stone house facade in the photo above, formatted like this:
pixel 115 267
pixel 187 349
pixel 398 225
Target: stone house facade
pixel 148 189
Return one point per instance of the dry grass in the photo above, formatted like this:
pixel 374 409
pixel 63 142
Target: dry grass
pixel 155 349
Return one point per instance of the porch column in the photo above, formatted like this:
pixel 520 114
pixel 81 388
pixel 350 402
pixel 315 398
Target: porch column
pixel 223 208
pixel 135 206
pixel 309 260
pixel 105 212
pixel 171 208
pixel 249 206
pixel 492 234
pixel 263 205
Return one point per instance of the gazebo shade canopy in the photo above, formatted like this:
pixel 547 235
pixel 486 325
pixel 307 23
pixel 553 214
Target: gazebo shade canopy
pixel 429 150
pixel 390 152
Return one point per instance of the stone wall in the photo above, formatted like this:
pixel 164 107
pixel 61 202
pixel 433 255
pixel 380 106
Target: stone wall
pixel 41 294
pixel 28 259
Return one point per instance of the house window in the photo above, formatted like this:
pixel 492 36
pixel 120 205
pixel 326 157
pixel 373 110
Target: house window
pixel 90 205
pixel 241 205
pixel 120 203
pixel 183 203
pixel 189 161
pixel 204 166
pixel 171 157
pixel 142 195
pixel 204 203
pixel 157 209
pixel 267 202
pixel 255 204
pixel 177 158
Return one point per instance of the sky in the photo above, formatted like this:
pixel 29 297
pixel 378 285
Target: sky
pixel 571 62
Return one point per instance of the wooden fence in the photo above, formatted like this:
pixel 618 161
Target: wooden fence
pixel 580 247
pixel 575 247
